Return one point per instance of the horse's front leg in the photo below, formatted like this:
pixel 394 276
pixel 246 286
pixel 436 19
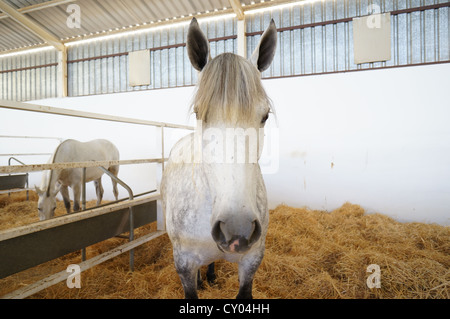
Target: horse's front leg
pixel 76 197
pixel 248 266
pixel 187 270
pixel 65 194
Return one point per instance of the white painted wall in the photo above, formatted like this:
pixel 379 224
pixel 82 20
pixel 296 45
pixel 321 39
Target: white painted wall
pixel 378 138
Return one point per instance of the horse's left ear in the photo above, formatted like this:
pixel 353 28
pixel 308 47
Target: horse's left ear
pixel 197 46
pixel 265 51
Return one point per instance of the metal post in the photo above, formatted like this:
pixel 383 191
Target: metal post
pixel 20 162
pixel 83 205
pixel 131 217
pixel 83 190
pixel 161 222
pixel 162 147
pixel 28 186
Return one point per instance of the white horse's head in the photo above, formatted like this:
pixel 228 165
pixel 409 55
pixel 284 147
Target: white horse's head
pixel 47 201
pixel 232 107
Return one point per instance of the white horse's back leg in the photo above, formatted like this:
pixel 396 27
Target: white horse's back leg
pixel 65 194
pixel 99 190
pixel 210 276
pixel 115 190
pixel 115 171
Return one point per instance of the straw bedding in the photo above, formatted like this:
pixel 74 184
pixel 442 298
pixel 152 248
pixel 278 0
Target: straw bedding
pixel 309 254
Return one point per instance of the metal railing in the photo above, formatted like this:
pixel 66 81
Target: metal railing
pixel 26 185
pixel 29 137
pixel 87 215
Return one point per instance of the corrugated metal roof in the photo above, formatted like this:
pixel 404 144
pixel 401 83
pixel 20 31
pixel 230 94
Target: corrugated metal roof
pixel 100 16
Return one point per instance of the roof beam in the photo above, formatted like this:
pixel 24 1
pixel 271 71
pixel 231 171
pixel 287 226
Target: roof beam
pixel 236 5
pixel 39 6
pixel 32 26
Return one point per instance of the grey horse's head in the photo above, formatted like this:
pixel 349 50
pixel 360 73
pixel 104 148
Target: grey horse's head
pixel 232 107
pixel 47 201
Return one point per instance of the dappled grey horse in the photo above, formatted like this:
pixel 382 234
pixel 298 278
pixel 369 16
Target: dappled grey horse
pixel 213 193
pixel 58 180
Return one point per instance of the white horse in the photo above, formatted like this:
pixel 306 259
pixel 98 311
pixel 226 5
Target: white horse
pixel 58 180
pixel 213 193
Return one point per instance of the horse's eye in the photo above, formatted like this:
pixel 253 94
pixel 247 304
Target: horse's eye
pixel 264 119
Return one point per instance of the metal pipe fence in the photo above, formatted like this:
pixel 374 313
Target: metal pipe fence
pixel 31 241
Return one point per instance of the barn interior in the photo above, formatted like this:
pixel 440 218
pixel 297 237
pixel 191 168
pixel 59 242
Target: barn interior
pixel 356 151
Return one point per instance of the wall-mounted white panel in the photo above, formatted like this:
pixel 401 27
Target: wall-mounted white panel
pixel 139 67
pixel 372 38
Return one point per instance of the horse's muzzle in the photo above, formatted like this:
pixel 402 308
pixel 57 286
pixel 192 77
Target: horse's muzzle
pixel 230 238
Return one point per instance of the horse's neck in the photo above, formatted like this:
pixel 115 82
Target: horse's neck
pixel 52 175
pixel 49 181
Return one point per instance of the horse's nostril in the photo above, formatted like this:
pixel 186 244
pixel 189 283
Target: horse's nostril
pixel 236 241
pixel 217 233
pixel 256 234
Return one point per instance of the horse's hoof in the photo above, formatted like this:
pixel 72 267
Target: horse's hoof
pixel 211 278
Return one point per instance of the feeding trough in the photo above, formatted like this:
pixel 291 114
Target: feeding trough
pixel 14 181
pixel 9 182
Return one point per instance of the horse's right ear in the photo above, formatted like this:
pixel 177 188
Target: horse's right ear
pixel 56 189
pixel 197 46
pixel 265 51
